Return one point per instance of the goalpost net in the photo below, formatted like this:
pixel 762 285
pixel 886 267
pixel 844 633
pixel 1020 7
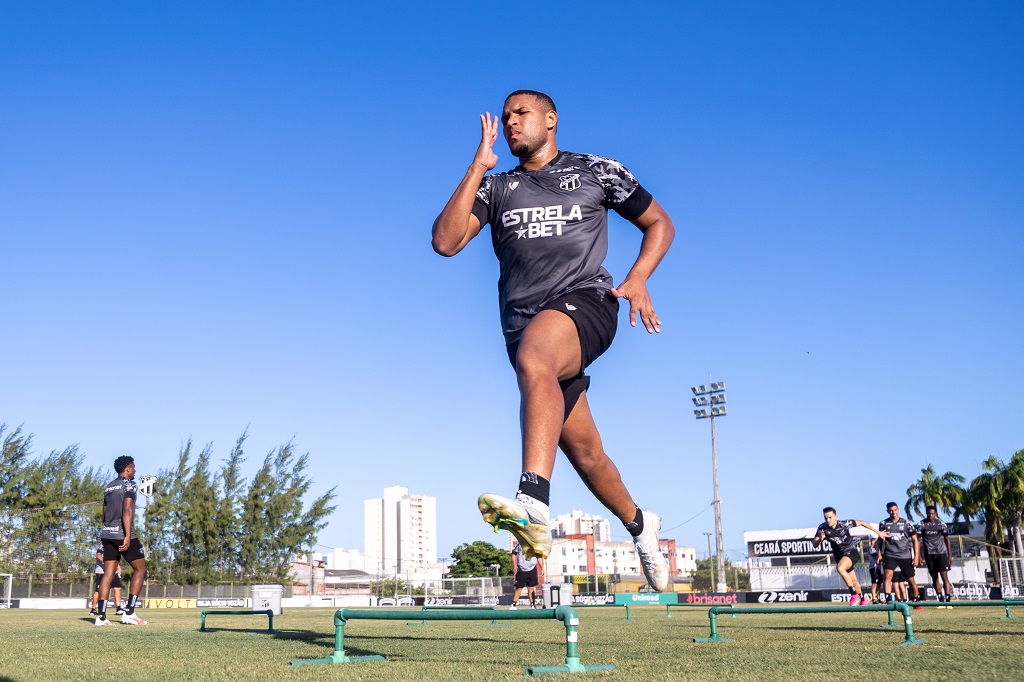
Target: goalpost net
pixel 1011 577
pixel 5 590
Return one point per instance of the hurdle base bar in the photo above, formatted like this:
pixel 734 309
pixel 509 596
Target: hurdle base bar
pixel 269 613
pixel 566 614
pixel 572 665
pixel 909 637
pixel 336 658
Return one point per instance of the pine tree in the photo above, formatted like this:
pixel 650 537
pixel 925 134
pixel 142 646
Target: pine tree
pixel 227 518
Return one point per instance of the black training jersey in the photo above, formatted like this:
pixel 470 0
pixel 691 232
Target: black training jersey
pixel 840 537
pixel 900 544
pixel 933 535
pixel 114 495
pixel 549 229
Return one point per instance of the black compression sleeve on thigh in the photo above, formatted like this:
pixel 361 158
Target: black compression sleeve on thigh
pixel 572 389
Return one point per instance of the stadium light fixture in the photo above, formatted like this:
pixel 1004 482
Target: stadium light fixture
pixel 714 395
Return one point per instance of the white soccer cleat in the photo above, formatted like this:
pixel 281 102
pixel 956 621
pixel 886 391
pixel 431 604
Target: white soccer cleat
pixel 654 563
pixel 100 621
pixel 523 517
pixel 131 619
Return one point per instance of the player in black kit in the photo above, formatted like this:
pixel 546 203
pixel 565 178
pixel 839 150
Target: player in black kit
pixel 549 230
pixel 900 550
pixel 845 549
pixel 118 540
pixel 937 552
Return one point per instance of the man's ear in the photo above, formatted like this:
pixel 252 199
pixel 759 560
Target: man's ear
pixel 552 119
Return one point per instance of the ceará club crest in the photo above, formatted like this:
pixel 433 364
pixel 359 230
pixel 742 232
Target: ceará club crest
pixel 569 182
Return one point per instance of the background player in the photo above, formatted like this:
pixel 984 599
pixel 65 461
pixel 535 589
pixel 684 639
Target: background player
pixel 845 549
pixel 115 584
pixel 117 541
pixel 528 573
pixel 900 550
pixel 938 552
pixel 549 230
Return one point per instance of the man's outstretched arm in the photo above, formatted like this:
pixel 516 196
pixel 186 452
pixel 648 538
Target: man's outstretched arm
pixel 658 235
pixel 456 225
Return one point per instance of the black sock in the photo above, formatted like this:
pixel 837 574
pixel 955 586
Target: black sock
pixel 133 601
pixel 852 591
pixel 101 608
pixel 636 526
pixel 536 486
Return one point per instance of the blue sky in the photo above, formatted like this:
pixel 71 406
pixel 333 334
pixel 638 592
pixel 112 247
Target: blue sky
pixel 216 216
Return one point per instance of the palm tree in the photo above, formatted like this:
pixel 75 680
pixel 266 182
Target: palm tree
pixel 985 500
pixel 946 492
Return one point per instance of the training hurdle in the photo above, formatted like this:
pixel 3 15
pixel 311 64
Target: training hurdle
pixel 668 608
pixel 466 607
pixel 901 607
pixel 566 614
pixel 1005 604
pixel 269 613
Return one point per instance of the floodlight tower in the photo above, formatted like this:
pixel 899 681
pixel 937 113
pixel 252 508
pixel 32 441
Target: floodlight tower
pixel 710 403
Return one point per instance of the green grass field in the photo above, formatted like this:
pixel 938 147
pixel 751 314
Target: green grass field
pixel 962 644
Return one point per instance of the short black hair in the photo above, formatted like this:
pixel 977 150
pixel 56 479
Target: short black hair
pixel 931 507
pixel 122 462
pixel 826 510
pixel 545 100
pixel 891 504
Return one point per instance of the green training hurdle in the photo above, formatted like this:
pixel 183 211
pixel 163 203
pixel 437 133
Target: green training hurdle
pixel 269 613
pixel 1005 603
pixel 902 608
pixel 460 607
pixel 668 608
pixel 566 614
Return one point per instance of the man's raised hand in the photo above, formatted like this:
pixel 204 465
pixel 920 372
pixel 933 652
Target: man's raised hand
pixel 485 155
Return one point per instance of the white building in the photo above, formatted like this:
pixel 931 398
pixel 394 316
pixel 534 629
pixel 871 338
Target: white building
pixel 580 523
pixel 340 559
pixel 585 555
pixel 400 533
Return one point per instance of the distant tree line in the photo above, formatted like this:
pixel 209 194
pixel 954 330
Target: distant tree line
pixel 202 525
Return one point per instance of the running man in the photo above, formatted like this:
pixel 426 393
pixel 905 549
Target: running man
pixel 118 541
pixel 845 549
pixel 528 573
pixel 900 550
pixel 937 552
pixel 559 308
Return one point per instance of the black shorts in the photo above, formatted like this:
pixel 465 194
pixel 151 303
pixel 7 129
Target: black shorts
pixel 906 565
pixel 526 578
pixel 877 575
pixel 853 553
pixel 936 563
pixel 112 550
pixel 115 583
pixel 596 314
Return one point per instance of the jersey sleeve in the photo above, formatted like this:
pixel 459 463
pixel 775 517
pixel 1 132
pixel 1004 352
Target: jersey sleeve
pixel 482 202
pixel 622 192
pixel 131 489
